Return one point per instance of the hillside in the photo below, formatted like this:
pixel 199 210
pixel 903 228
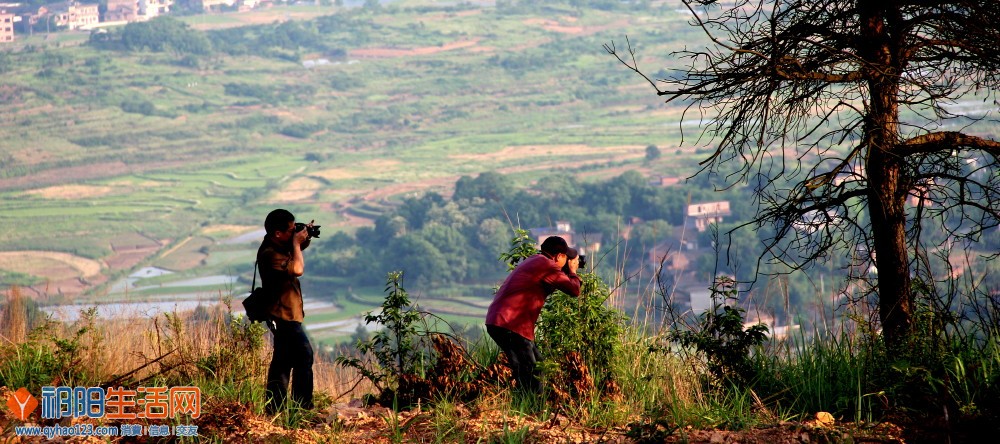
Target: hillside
pixel 119 158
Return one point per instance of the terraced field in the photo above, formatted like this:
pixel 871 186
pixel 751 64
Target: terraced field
pixel 141 159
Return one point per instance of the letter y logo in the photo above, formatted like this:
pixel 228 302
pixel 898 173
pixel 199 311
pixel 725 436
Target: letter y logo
pixel 21 403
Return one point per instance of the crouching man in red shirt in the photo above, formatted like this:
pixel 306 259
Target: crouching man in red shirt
pixel 511 318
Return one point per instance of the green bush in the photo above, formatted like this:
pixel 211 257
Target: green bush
pixel 721 338
pixel 585 325
pixel 396 349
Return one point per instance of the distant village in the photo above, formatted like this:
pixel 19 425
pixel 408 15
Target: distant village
pixel 25 18
pixel 675 255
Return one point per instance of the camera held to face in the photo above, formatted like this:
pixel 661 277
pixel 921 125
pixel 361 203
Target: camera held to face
pixel 313 230
pixel 582 263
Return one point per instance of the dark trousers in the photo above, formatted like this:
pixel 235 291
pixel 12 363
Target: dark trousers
pixel 522 354
pixel 293 358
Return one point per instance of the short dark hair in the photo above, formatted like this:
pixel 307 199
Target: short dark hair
pixel 554 245
pixel 278 220
pixel 571 253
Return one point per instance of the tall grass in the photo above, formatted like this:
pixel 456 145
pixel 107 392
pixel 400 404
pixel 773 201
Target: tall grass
pixel 218 351
pixel 821 372
pixel 662 389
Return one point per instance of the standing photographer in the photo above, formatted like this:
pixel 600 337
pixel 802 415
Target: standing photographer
pixel 511 318
pixel 281 263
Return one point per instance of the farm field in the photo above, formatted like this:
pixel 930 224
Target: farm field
pixel 118 161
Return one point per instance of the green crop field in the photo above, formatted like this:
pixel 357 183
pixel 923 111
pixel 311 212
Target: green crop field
pixel 104 144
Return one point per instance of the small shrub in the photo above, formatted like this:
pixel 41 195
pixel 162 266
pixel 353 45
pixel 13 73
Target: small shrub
pixel 720 336
pixel 139 106
pixel 48 358
pixel 301 130
pixel 395 347
pixel 583 326
pixel 239 353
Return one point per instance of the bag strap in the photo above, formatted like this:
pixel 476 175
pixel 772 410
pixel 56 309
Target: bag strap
pixel 254 283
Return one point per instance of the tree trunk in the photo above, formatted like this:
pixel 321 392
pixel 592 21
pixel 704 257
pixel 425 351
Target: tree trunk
pixel 886 199
pixel 887 177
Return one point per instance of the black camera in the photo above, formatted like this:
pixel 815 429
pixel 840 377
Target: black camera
pixel 313 230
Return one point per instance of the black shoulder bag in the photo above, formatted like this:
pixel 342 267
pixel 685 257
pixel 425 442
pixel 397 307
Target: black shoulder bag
pixel 258 304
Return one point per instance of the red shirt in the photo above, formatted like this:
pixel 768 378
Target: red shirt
pixel 519 300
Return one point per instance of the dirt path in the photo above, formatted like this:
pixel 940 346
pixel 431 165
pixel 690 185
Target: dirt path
pixel 380 53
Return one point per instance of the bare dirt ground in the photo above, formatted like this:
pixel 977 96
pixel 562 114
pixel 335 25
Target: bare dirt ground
pixel 49 264
pixel 71 192
pixel 230 421
pixel 127 258
pixel 352 422
pixel 560 26
pixel 409 52
pixel 61 273
pixel 298 190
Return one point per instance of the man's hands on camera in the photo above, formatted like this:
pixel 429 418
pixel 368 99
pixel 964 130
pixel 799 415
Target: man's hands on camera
pixel 573 264
pixel 302 236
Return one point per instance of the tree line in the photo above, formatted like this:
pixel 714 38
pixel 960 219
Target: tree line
pixel 442 241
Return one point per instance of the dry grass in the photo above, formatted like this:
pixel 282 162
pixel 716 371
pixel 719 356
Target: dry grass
pixel 117 346
pixel 13 318
pixel 228 229
pixel 663 383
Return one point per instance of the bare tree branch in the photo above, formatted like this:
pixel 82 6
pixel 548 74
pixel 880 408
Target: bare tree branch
pixel 838 112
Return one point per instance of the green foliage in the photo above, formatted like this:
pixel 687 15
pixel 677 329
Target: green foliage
pixel 15 278
pixel 950 364
pixel 583 324
pixel 139 106
pixel 413 236
pixel 720 335
pixel 421 258
pixel 286 40
pixel 261 92
pixel 395 346
pixel 238 354
pixel 164 34
pixel 652 152
pixel 275 94
pixel 6 62
pixel 301 130
pixel 522 246
pixel 490 186
pixel 837 372
pixel 47 356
